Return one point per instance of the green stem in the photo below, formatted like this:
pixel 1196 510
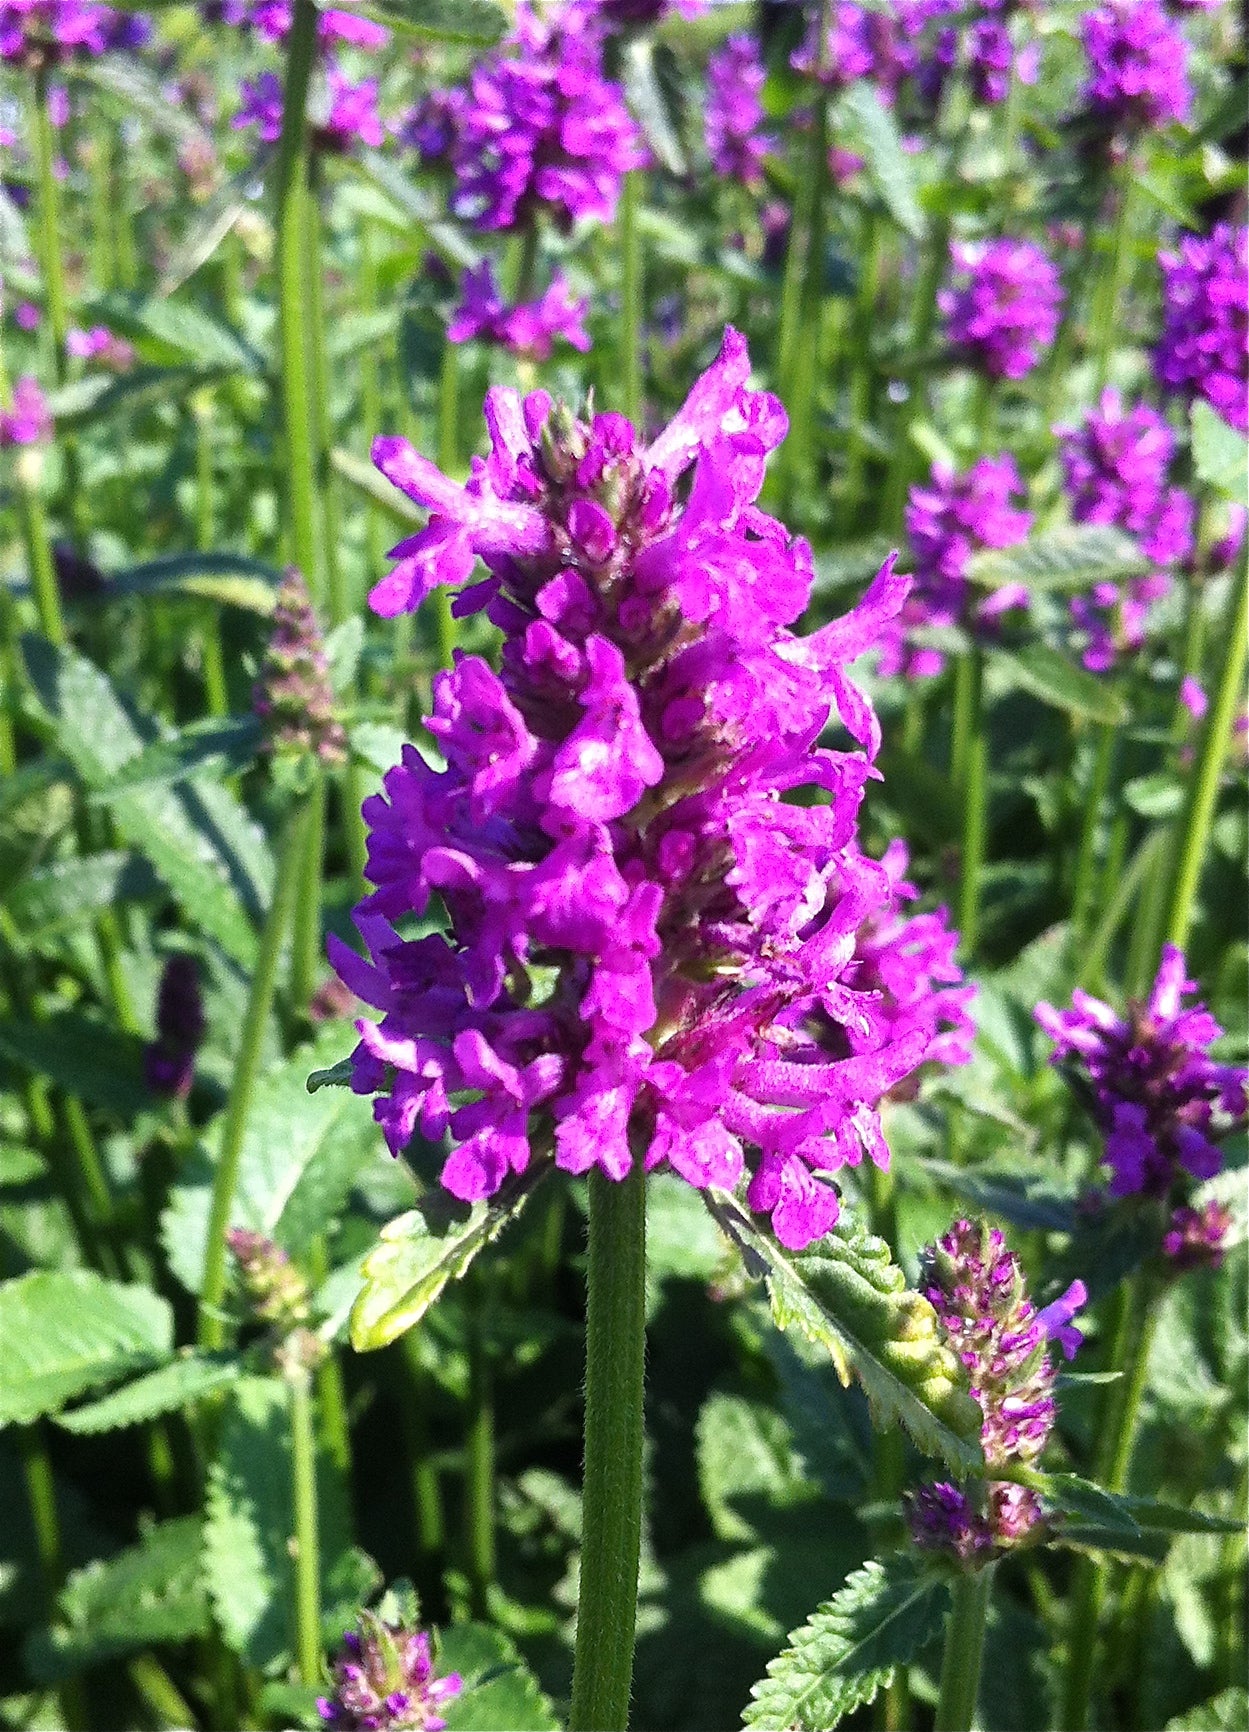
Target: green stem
pixel 371 391
pixel 448 462
pixel 479 1451
pixel 307 943
pixel 1204 788
pixel 1134 1332
pixel 1094 799
pixel 612 1480
pixel 861 370
pixel 322 416
pixel 50 261
pixel 1109 323
pixel 631 298
pixel 216 691
pixel 964 1649
pixel 102 253
pixel 41 1500
pixel 291 854
pixel 292 194
pixel 426 1490
pixel 306 1547
pixel 971 775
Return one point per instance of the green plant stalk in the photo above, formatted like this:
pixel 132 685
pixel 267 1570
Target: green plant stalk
pixel 964 1650
pixel 631 297
pixel 103 255
pixel 292 194
pixel 125 243
pixel 789 329
pixel 1116 280
pixel 1094 800
pixel 612 1479
pixel 861 370
pixel 307 943
pixel 970 765
pixel 159 1692
pixel 322 414
pixel 216 691
pixel 479 1450
pixel 1204 788
pixel 335 1429
pixel 371 390
pixel 49 195
pixel 43 585
pixel 426 1491
pixel 291 854
pixel 448 462
pixel 41 1500
pixel 306 1541
pixel 1134 1333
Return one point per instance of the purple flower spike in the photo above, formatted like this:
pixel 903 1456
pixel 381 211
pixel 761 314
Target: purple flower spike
pixel 42 32
pixel 736 146
pixel 1138 65
pixel 1204 350
pixel 169 1060
pixel 29 421
pixel 1002 308
pixel 527 330
pixel 1158 1096
pixel 383 1681
pixel 652 954
pixel 1197 1238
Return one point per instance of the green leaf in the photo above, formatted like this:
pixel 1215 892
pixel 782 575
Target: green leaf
pixel 1087 1506
pixel 423 1249
pixel 221 746
pixel 179 332
pixel 64 1331
pixel 1226 1712
pixel 449 20
pixel 1028 1200
pixel 187 1379
pixel 19 1165
pixel 248 1523
pixel 335 1076
pixel 846 1295
pixel 500 1693
pixel 212 223
pixel 151 1592
pixel 652 105
pixel 97 395
pixel 83 1055
pixel 417 203
pixel 1047 674
pixel 375 487
pixel 745 1453
pixel 851 1646
pixel 146 94
pixel 1220 453
pixel 871 129
pixel 68 892
pixel 230 579
pixel 301 1154
pixel 1071 558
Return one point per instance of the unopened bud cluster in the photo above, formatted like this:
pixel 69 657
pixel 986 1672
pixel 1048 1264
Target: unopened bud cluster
pixel 383 1681
pixel 276 1294
pixel 293 696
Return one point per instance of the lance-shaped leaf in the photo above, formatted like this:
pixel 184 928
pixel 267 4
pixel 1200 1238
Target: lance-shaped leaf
pixel 63 1331
pixel 499 1691
pixel 1073 557
pixel 1090 1518
pixel 68 892
pixel 230 579
pixel 851 1646
pixel 846 1295
pixel 423 1249
pixel 224 747
pixel 187 1379
pixel 873 130
pixel 1045 672
pixel 450 20
pixel 1220 453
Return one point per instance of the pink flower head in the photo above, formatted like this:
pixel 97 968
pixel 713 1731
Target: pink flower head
pixel 736 145
pixel 29 421
pixel 383 1681
pixel 528 329
pixel 1002 308
pixel 1138 65
pixel 652 953
pixel 1204 348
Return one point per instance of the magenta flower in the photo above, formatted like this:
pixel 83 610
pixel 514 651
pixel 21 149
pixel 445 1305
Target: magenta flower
pixel 1002 308
pixel 651 954
pixel 528 329
pixel 29 421
pixel 340 112
pixel 862 42
pixel 261 106
pixel 1197 1238
pixel 383 1681
pixel 977 1289
pixel 48 30
pixel 735 144
pixel 1204 348
pixel 1138 65
pixel 100 344
pixel 272 20
pixel 541 128
pixel 1158 1096
pixel 947 522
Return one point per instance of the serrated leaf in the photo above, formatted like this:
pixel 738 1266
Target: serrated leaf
pixel 1220 453
pixel 423 1249
pixel 81 1054
pixel 873 131
pixel 1050 676
pixel 151 1592
pixel 300 1155
pixel 1086 1506
pixel 64 1331
pixel 248 1524
pixel 230 579
pixel 66 892
pixel 851 1646
pixel 335 1076
pixel 450 20
pixel 1074 557
pixel 500 1693
pixel 188 1379
pixel 1024 1199
pixel 224 747
pixel 846 1295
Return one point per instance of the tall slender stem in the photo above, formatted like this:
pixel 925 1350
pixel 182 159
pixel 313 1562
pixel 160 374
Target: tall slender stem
pixel 371 390
pixel 306 1547
pixel 306 938
pixel 631 301
pixel 291 189
pixel 970 762
pixel 1094 799
pixel 50 263
pixel 479 1448
pixel 448 462
pixel 1109 324
pixel 612 1482
pixel 247 1068
pixel 964 1650
pixel 322 417
pixel 41 1500
pixel 1204 788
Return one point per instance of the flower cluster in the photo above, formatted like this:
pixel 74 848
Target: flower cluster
pixel 1155 1089
pixel 40 32
pixel 919 41
pixel 272 19
pixel 102 345
pixel 1204 349
pixel 1002 307
pixel 293 697
pixel 383 1681
pixel 276 1292
pixel 29 421
pixel 169 1060
pixel 977 1289
pixel 948 521
pixel 1197 1238
pixel 541 128
pixel 735 144
pixel 651 951
pixel 528 329
pixel 341 111
pixel 1138 65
